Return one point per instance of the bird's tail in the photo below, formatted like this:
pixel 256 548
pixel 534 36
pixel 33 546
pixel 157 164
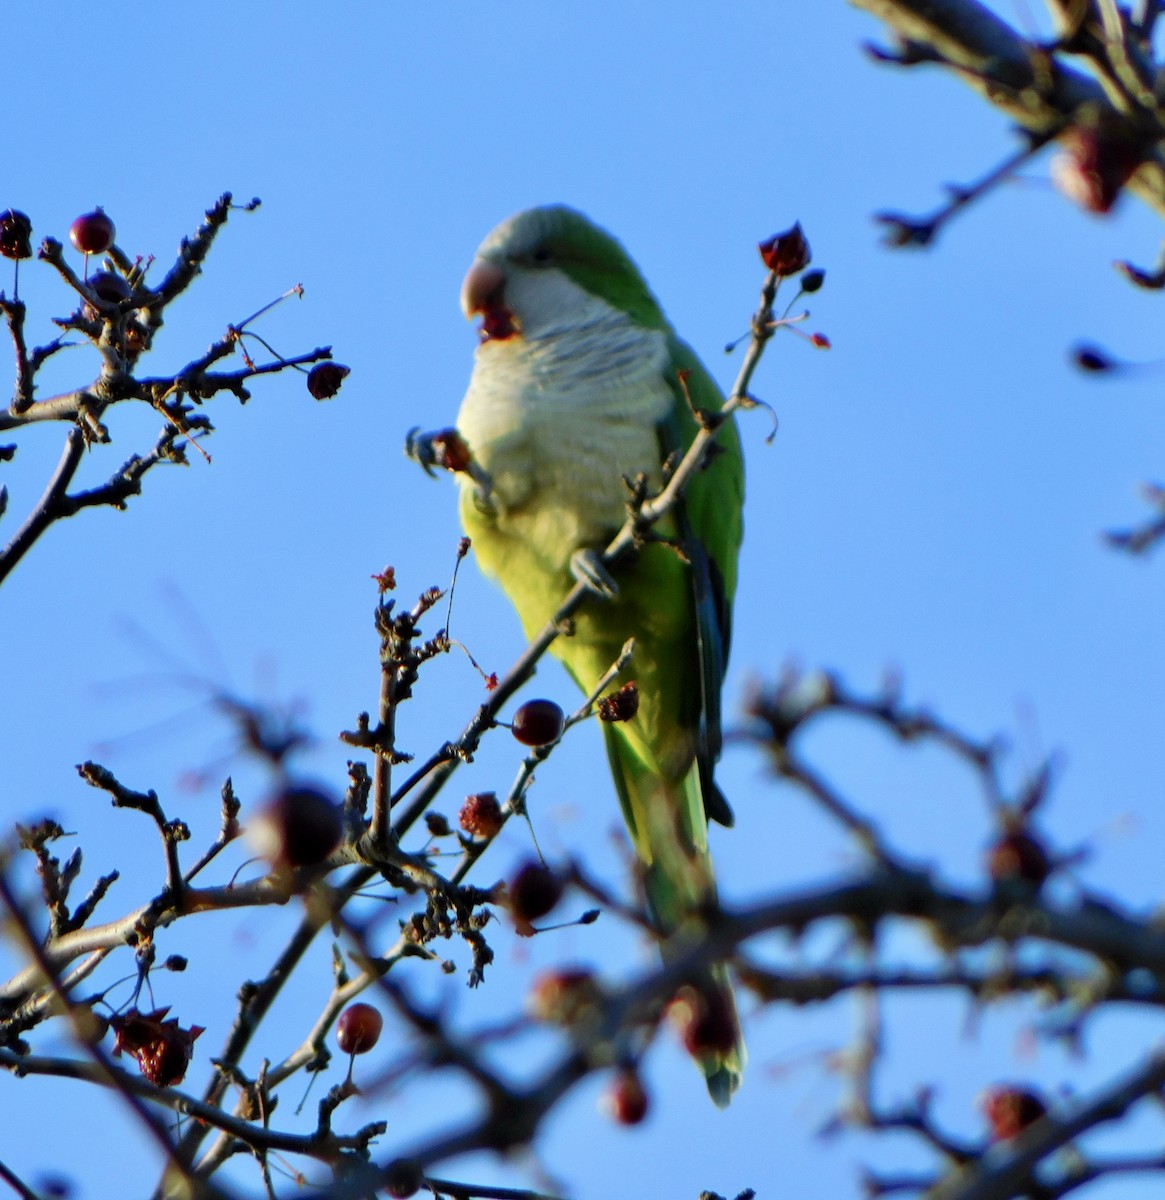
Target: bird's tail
pixel 669 829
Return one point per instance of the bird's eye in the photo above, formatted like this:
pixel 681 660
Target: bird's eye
pixel 542 256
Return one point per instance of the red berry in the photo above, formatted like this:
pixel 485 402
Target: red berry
pixel 300 827
pixel 358 1028
pixel 1010 1110
pixel 538 723
pixel 93 232
pixel 786 253
pixel 621 705
pixel 163 1048
pixel 437 824
pixel 706 1020
pixel 563 997
pixel 534 892
pixel 324 379
pixel 1018 856
pixel 626 1100
pixel 15 234
pixel 481 815
pixel 402 1177
pixel 110 286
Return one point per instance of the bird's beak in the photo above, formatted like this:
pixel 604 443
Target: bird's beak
pixel 481 292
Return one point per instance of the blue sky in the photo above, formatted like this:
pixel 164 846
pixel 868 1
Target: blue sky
pixel 931 505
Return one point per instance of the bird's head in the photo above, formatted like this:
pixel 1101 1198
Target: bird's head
pixel 548 270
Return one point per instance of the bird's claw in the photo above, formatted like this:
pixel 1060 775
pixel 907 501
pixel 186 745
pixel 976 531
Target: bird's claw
pixel 587 568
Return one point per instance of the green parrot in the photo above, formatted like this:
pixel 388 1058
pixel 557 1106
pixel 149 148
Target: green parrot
pixel 578 384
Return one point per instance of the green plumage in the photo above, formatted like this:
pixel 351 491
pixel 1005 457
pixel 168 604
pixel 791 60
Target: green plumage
pixel 583 388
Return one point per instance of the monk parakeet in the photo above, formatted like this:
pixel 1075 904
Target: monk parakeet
pixel 577 385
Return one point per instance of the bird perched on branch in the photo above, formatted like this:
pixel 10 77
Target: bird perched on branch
pixel 579 385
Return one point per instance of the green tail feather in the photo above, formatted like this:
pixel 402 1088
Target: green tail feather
pixel 669 829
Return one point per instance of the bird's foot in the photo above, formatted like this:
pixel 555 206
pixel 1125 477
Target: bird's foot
pixel 587 568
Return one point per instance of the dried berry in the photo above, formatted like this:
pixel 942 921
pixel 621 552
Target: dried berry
pixel 15 234
pixel 358 1028
pixel 1010 1110
pixel 626 1099
pixel 786 253
pixel 706 1020
pixel 621 705
pixel 481 815
pixel 437 824
pixel 1018 856
pixel 1097 161
pixel 324 379
pixel 811 281
pixel 562 997
pixel 403 1177
pixel 162 1048
pixel 93 232
pixel 533 892
pixel 300 827
pixel 538 723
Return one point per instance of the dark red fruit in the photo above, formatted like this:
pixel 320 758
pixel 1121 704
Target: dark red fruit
pixel 786 253
pixel 93 232
pixel 706 1020
pixel 110 286
pixel 621 705
pixel 481 815
pixel 1018 856
pixel 562 997
pixel 534 892
pixel 403 1177
pixel 300 827
pixel 15 234
pixel 324 379
pixel 437 824
pixel 538 723
pixel 626 1100
pixel 162 1048
pixel 358 1028
pixel 1010 1110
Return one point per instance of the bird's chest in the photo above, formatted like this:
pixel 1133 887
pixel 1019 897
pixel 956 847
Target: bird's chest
pixel 557 440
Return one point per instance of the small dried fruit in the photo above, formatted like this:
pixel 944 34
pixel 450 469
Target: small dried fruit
pixel 481 815
pixel 1019 856
pixel 626 1099
pixel 562 997
pixel 538 723
pixel 300 827
pixel 437 824
pixel 15 234
pixel 706 1020
pixel 533 892
pixel 1097 160
pixel 324 379
pixel 403 1177
pixel 358 1028
pixel 162 1048
pixel 621 705
pixel 92 232
pixel 1010 1110
pixel 786 253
